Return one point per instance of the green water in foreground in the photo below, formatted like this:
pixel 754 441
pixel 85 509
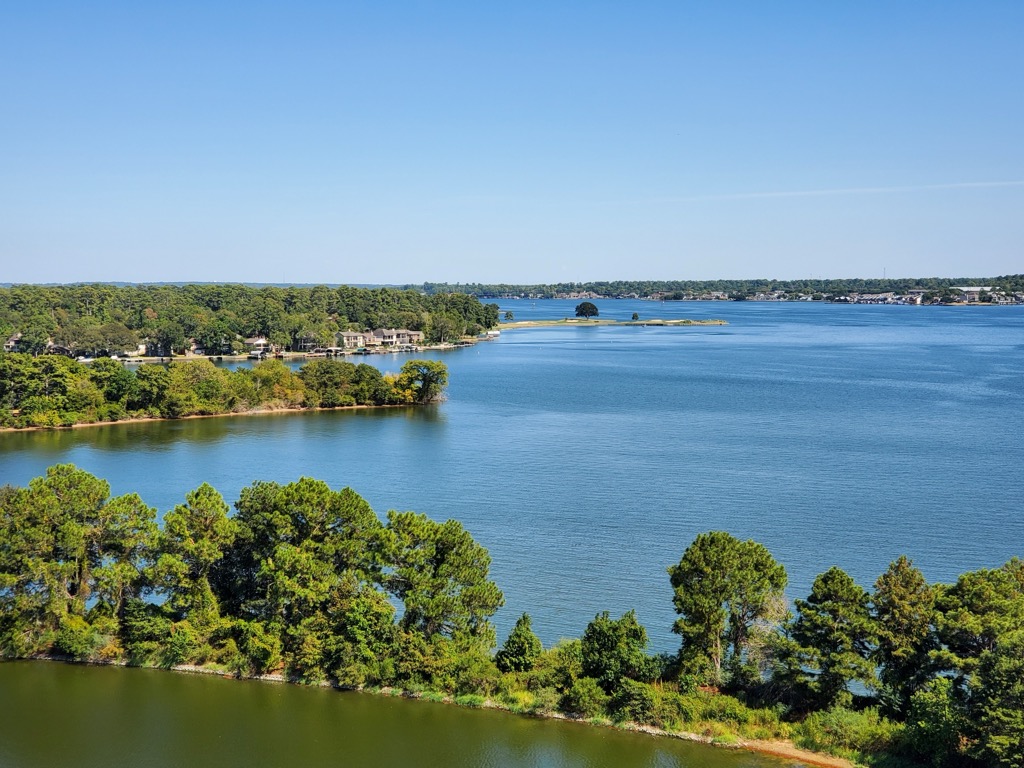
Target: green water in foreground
pixel 54 714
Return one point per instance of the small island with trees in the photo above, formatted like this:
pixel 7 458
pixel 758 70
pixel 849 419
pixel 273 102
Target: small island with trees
pixel 588 314
pixel 308 584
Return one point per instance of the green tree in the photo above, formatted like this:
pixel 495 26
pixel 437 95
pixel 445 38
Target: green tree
pixel 999 702
pixel 904 611
pixel 521 649
pixel 196 387
pixel 329 383
pixel 936 724
pixel 152 383
pixel 194 538
pixel 295 543
pixel 169 338
pixel 117 383
pixel 361 645
pixel 722 588
pixel 129 539
pixel 425 378
pixel 509 317
pixel 441 576
pixel 369 386
pixel 274 382
pixel 615 649
pixel 445 327
pixel 974 613
pixel 65 548
pixel 586 309
pixel 68 503
pixel 835 630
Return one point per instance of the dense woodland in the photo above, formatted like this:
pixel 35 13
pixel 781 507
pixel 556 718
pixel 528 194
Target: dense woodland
pixel 56 391
pixel 310 582
pixel 646 288
pixel 107 319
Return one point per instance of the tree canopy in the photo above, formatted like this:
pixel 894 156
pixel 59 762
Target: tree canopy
pixel 586 309
pixel 53 391
pixel 98 319
pixel 722 586
pixel 310 582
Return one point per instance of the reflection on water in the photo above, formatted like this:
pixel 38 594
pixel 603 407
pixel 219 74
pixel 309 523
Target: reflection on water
pixel 150 435
pixel 64 715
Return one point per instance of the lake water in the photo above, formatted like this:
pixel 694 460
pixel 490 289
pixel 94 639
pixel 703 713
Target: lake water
pixel 587 459
pixel 54 715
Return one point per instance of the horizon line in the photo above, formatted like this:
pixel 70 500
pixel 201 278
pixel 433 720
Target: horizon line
pixel 836 191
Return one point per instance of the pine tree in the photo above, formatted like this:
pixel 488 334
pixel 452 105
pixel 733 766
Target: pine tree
pixel 834 630
pixel 521 649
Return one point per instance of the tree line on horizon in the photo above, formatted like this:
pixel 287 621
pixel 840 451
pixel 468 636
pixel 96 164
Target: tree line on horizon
pixel 737 287
pixel 98 318
pixel 310 582
pixel 57 391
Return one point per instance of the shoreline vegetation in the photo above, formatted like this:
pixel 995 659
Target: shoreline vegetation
pixel 53 391
pixel 283 411
pixel 309 585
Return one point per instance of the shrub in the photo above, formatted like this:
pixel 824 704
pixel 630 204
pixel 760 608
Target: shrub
pixel 585 698
pixel 111 412
pixel 260 650
pixel 675 710
pixel 143 630
pixel 545 700
pixel 633 701
pixel 75 638
pixel 847 733
pixel 935 724
pixel 558 667
pixel 183 642
pixel 518 701
pixel 725 709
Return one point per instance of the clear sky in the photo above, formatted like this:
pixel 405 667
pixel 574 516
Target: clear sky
pixel 522 142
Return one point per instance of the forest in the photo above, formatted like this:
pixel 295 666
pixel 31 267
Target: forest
pixel 56 391
pixel 96 319
pixel 310 583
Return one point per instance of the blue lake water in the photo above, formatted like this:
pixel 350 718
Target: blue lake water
pixel 587 459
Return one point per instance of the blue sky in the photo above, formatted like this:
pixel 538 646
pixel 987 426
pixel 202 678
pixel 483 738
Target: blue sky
pixel 523 142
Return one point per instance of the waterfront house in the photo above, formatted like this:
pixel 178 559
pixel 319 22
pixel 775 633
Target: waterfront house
pixel 970 294
pixel 257 344
pixel 397 337
pixel 386 337
pixel 351 339
pixel 12 343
